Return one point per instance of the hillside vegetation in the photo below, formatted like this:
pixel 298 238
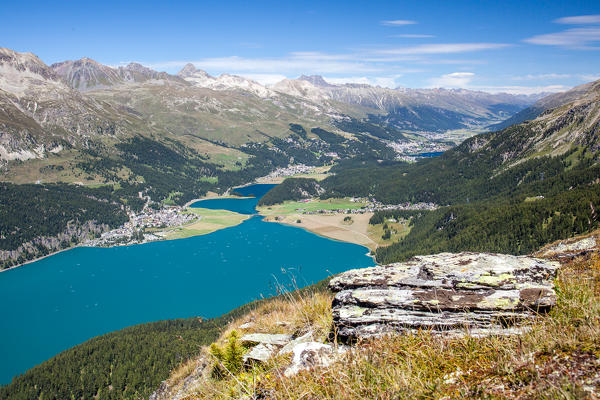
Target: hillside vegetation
pixel 556 358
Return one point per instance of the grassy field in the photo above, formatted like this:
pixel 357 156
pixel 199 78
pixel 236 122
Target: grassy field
pixel 318 173
pixel 397 229
pixel 296 207
pixel 333 225
pixel 210 221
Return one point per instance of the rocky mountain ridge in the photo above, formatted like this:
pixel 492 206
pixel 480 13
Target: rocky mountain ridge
pixel 86 74
pixel 39 113
pixel 75 104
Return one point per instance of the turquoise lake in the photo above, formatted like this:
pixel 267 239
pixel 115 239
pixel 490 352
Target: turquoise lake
pixel 60 301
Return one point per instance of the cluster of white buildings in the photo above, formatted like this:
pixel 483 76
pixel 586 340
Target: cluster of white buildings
pixel 291 170
pixel 129 233
pixel 405 149
pixel 372 207
pixel 165 217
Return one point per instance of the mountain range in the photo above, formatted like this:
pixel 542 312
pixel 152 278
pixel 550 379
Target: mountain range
pixel 78 104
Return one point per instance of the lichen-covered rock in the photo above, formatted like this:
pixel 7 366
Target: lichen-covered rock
pixel 481 292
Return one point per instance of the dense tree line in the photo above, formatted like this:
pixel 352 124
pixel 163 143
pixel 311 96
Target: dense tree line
pixel 126 364
pixel 380 217
pixel 291 189
pixel 516 226
pixel 31 211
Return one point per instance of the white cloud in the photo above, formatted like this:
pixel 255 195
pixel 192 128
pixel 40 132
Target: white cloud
pixel 463 80
pixel 398 22
pixel 579 20
pixel 453 80
pixel 444 48
pixel 576 38
pixel 589 77
pixel 521 89
pixel 412 36
pixel 532 77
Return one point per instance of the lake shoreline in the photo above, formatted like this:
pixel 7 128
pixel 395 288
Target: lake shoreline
pixel 39 258
pixel 95 290
pixel 208 196
pixel 321 228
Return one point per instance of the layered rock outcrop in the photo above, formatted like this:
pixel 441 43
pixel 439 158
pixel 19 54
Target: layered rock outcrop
pixel 480 293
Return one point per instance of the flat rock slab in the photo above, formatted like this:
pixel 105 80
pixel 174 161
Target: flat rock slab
pixel 443 292
pixel 277 339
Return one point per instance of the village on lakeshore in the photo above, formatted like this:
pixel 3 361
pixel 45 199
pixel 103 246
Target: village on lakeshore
pixel 157 224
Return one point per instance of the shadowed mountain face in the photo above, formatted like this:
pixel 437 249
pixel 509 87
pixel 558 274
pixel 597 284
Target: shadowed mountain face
pixel 543 104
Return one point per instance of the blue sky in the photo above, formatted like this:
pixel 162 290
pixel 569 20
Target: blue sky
pixel 513 46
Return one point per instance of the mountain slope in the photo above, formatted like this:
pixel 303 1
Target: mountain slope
pixel 86 74
pixel 449 178
pixel 544 104
pixel 39 113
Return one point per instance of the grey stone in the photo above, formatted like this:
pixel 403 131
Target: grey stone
pixel 278 339
pixel 247 325
pixel 260 353
pixel 570 247
pixel 477 292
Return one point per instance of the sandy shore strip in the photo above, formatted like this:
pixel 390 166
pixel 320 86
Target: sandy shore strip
pixel 332 226
pixel 213 196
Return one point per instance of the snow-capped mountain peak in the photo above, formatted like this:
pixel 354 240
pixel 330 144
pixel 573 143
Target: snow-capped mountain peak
pixel 316 80
pixel 200 78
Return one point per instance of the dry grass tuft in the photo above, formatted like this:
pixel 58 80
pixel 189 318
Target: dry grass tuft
pixel 294 314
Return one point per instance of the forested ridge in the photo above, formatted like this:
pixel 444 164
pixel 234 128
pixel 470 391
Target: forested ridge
pixel 515 226
pixel 291 189
pixel 497 191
